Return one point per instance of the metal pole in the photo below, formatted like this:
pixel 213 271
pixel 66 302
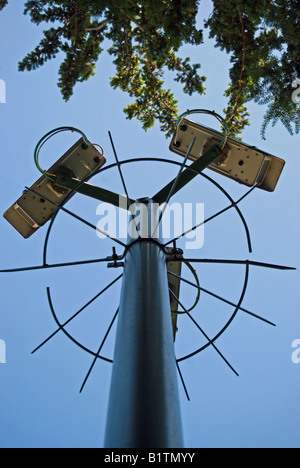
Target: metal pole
pixel 144 409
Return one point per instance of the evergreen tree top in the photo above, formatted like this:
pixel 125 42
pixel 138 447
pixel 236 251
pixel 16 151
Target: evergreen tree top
pixel 144 37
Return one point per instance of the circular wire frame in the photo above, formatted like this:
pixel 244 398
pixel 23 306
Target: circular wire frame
pixel 233 205
pixel 183 312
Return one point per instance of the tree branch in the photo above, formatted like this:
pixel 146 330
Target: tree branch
pixel 101 26
pixel 244 49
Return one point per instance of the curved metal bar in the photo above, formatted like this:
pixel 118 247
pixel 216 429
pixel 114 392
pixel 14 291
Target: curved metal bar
pixel 194 273
pixel 79 218
pixel 70 194
pixel 129 161
pixel 78 312
pixel 235 204
pixel 68 334
pixel 47 239
pixel 135 160
pixel 162 160
pixel 227 324
pixel 72 191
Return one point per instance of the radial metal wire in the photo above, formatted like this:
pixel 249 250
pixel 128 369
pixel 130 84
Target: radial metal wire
pixel 118 165
pixel 102 170
pixel 56 265
pixel 246 263
pixel 79 218
pixel 123 181
pixel 61 327
pixel 231 262
pixel 78 313
pixel 173 187
pixel 211 342
pixel 200 288
pixel 99 351
pixel 232 205
pixel 182 381
pixel 205 176
pixel 221 332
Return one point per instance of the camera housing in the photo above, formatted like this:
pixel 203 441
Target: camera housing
pixel 31 211
pixel 241 162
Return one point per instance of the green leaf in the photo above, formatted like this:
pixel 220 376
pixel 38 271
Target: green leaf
pixel 145 41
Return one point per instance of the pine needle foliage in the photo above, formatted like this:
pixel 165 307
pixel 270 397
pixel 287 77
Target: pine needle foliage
pixel 145 39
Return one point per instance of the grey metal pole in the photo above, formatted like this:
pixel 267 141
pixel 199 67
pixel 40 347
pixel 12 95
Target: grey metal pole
pixel 144 409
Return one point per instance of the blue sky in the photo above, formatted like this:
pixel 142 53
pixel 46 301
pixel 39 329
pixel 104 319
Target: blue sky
pixel 40 405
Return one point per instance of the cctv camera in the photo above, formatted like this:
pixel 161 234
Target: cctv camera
pixel 238 161
pixel 32 211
